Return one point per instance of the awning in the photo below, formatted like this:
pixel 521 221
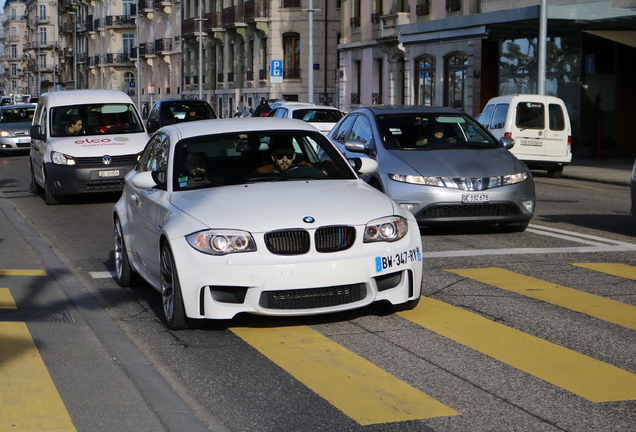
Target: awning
pixel 625 37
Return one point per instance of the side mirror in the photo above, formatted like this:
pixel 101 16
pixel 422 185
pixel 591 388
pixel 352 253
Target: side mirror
pixel 364 165
pixel 507 142
pixel 144 180
pixel 36 132
pixel 152 126
pixel 356 146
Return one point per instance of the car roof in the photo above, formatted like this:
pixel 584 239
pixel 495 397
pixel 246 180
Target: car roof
pixel 235 125
pixel 408 109
pixel 299 105
pixel 78 97
pixel 190 101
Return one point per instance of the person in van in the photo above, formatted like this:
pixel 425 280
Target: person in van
pixel 75 126
pixel 108 122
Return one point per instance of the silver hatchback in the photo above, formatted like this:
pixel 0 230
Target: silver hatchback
pixel 15 125
pixel 440 164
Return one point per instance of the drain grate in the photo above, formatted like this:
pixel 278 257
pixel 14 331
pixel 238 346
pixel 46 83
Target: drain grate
pixel 15 315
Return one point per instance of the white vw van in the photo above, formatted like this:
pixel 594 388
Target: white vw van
pixel 64 162
pixel 539 125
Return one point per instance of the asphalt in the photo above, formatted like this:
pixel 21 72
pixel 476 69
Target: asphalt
pixel 163 406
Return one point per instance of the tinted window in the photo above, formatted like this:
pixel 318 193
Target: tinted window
pixel 530 115
pixel 361 130
pixel 498 120
pixel 484 118
pixel 17 115
pixel 340 134
pixel 110 118
pixel 317 115
pixel 557 119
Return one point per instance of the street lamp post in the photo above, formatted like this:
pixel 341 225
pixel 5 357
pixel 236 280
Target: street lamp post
pixel 200 19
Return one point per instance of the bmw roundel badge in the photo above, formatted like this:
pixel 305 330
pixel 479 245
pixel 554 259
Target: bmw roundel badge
pixel 309 219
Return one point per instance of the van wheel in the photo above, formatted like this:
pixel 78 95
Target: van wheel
pixel 34 187
pixel 555 172
pixel 49 198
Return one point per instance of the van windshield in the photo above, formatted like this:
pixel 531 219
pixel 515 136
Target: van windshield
pixel 96 119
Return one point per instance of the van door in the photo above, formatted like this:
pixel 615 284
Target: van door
pixel 540 131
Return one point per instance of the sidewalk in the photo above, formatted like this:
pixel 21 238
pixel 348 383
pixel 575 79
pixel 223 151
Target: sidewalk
pixel 611 171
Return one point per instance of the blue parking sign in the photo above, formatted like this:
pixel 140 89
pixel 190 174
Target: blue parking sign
pixel 276 68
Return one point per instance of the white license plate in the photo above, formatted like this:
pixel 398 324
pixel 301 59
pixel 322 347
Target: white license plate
pixel 24 140
pixel 111 173
pixel 475 198
pixel 397 260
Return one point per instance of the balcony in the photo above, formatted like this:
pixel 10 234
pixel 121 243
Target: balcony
pixel 147 49
pixel 212 22
pixel 291 73
pixel 254 9
pixel 355 98
pixel 117 59
pixel 163 46
pixel 233 17
pixel 120 21
pixel 376 98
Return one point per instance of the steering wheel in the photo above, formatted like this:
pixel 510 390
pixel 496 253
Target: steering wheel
pixel 303 171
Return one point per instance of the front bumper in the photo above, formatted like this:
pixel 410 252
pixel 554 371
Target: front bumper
pixel 15 143
pixel 309 284
pixel 93 178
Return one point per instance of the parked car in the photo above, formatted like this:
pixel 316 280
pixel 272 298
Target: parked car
pixel 324 118
pixel 243 237
pixel 467 176
pixel 173 111
pixel 15 125
pixel 539 126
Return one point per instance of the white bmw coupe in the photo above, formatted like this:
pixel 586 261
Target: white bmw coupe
pixel 261 216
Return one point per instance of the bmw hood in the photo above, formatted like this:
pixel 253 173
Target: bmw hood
pixel 463 162
pixel 262 207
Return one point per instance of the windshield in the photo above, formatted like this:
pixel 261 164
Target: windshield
pixel 96 119
pixel 316 115
pixel 239 158
pixel 432 131
pixel 17 115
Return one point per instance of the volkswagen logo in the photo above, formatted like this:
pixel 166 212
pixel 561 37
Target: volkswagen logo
pixel 107 160
pixel 309 219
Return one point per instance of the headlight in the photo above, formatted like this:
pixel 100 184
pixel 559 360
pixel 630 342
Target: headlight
pixel 222 242
pixel 387 229
pixel 5 133
pixel 62 159
pixel 478 183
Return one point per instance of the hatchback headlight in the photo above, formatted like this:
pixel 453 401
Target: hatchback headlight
pixel 387 229
pixel 62 159
pixel 222 242
pixel 461 182
pixel 5 133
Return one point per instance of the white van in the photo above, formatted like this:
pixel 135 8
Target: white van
pixel 539 125
pixel 95 159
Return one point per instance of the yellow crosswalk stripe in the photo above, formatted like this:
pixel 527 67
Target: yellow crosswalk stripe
pixel 621 270
pixel 6 300
pixel 17 272
pixel 358 388
pixel 28 397
pixel 599 307
pixel 582 375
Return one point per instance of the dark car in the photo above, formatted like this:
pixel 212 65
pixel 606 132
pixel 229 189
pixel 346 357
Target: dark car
pixel 440 164
pixel 173 111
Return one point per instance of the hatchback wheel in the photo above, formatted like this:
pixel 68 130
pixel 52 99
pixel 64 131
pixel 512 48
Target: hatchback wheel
pixel 171 297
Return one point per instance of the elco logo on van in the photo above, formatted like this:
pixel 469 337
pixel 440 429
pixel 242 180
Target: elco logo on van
pixel 100 140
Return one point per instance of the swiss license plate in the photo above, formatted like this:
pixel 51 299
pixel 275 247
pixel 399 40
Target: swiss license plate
pixel 397 260
pixel 110 173
pixel 475 198
pixel 24 140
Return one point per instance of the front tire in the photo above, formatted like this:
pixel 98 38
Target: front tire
pixel 125 276
pixel 49 198
pixel 171 298
pixel 555 172
pixel 34 187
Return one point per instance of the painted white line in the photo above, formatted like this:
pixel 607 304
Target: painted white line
pixel 575 234
pixel 102 275
pixel 528 251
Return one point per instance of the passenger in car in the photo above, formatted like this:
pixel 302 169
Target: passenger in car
pixel 75 126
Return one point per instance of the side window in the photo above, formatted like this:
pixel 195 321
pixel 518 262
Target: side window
pixel 530 115
pixel 282 113
pixel 155 155
pixel 486 115
pixel 361 130
pixel 498 120
pixel 341 134
pixel 557 119
pixel 154 113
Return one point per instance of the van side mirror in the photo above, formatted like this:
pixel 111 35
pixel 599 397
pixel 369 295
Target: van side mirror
pixel 507 142
pixel 36 133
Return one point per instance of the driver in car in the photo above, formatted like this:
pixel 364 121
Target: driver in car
pixel 282 154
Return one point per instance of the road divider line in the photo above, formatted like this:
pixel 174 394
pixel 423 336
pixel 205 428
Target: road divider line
pixel 584 376
pixel 596 306
pixel 364 392
pixel 18 272
pixel 29 399
pixel 615 269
